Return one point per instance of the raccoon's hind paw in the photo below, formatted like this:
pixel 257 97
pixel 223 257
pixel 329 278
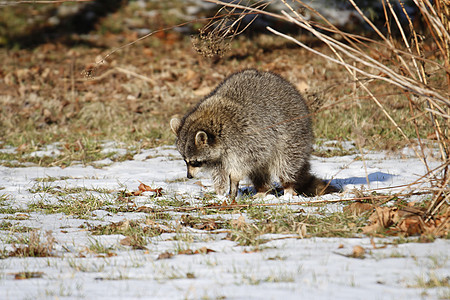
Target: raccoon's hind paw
pixel 322 187
pixel 289 192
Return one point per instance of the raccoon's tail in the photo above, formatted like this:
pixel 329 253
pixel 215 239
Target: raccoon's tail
pixel 319 187
pixel 314 186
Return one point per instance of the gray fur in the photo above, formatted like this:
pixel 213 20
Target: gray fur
pixel 256 125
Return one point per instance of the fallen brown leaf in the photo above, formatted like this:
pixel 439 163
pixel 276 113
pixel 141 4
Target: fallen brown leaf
pixel 411 226
pixel 207 225
pixel 136 193
pixel 358 252
pixel 203 250
pixel 145 209
pixel 22 216
pixel 165 255
pixel 223 205
pixel 358 208
pixel 145 188
pixel 382 218
pixel 186 252
pixel 125 241
pixel 28 275
pixel 256 250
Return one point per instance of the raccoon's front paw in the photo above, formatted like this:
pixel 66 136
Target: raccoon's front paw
pixel 289 194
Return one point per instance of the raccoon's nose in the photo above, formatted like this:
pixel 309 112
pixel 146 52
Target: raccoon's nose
pixel 189 175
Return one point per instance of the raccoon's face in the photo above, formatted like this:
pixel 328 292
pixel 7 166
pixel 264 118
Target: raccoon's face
pixel 199 152
pixel 199 149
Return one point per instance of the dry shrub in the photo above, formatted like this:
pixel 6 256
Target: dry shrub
pixel 414 64
pixel 215 37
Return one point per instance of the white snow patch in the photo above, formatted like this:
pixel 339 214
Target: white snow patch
pixel 285 268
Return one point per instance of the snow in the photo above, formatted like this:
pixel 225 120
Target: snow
pixel 283 268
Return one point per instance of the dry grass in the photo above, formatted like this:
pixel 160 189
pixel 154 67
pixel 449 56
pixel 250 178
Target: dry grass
pixel 34 246
pixel 381 97
pixel 46 97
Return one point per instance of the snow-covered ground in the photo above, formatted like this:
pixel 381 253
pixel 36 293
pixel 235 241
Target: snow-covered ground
pixel 283 268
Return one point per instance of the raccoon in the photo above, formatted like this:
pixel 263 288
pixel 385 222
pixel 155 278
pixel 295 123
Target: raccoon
pixel 254 125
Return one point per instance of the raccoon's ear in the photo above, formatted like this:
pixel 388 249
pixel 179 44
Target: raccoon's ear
pixel 201 138
pixel 175 125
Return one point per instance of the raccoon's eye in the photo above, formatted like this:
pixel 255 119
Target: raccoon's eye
pixel 196 164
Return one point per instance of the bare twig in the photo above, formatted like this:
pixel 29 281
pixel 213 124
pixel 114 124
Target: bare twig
pixel 408 74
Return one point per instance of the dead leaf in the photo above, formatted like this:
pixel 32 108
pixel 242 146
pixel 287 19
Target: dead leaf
pixel 20 216
pixel 381 219
pixel 28 275
pixel 203 250
pixel 411 226
pixel 138 193
pixel 341 246
pixel 108 254
pixel 165 255
pixel 126 241
pixel 186 252
pixel 358 252
pixel 207 225
pixel 145 209
pixel 145 188
pixel 224 205
pixel 256 250
pixel 358 208
pixel 438 226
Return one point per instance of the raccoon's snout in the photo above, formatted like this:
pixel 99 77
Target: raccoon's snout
pixel 191 172
pixel 193 168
